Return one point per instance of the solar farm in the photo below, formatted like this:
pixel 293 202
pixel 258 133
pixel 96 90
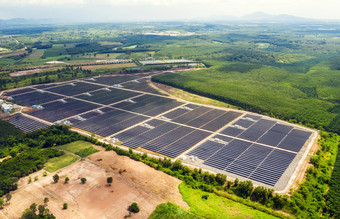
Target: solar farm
pixel 127 110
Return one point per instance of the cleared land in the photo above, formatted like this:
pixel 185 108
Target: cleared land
pixel 95 199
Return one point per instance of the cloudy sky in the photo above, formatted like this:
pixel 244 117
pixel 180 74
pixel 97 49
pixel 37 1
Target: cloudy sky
pixel 150 10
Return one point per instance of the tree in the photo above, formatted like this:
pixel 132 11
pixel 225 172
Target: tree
pixel 244 189
pixel 56 178
pixel 109 180
pixel 83 180
pixel 134 208
pixel 1 203
pixel 67 179
pixel 220 178
pixel 8 197
pixel 65 205
pixel 33 207
pixel 46 200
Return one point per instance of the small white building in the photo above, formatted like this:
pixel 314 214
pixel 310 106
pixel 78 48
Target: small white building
pixel 1 101
pixel 6 107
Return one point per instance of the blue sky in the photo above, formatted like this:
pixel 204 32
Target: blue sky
pixel 153 10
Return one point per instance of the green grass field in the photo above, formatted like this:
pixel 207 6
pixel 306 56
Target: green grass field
pixel 57 163
pixel 217 207
pixel 81 148
pixel 172 211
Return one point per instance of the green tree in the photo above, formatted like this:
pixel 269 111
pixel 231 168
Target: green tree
pixel 1 203
pixel 8 197
pixel 134 208
pixel 109 180
pixel 67 179
pixel 56 178
pixel 46 200
pixel 244 189
pixel 83 180
pixel 65 205
pixel 33 207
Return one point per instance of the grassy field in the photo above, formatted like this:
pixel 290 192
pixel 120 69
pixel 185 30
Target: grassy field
pixel 81 148
pixel 57 163
pixel 171 211
pixel 217 207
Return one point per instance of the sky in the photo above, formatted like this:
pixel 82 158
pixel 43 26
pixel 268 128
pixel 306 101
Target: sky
pixel 162 10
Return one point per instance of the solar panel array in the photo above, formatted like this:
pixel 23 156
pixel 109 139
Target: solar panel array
pixel 26 124
pixel 58 110
pixel 140 85
pixel 35 98
pixel 148 105
pixel 249 145
pixel 202 117
pixel 74 88
pixel 106 121
pixel 107 96
pixel 162 137
pixel 253 147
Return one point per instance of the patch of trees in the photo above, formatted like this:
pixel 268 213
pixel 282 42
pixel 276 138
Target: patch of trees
pixel 24 163
pixel 40 45
pixel 6 130
pixel 333 197
pixel 34 212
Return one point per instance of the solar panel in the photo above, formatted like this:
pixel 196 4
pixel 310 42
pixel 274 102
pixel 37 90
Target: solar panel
pixel 26 124
pixel 295 140
pixel 275 135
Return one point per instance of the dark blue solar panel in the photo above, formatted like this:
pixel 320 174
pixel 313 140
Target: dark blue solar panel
pixel 257 130
pixel 206 149
pixel 26 124
pixel 275 135
pixel 222 158
pixel 295 140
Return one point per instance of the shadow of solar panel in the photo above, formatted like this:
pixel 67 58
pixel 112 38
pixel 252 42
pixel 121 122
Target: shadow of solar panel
pixel 191 115
pixel 222 158
pixel 168 138
pixel 111 80
pixel 244 123
pixel 221 121
pixel 140 140
pixel 183 144
pixel 26 124
pixel 272 168
pixel 58 110
pixel 249 160
pixel 275 135
pixel 257 130
pixel 206 149
pixel 126 135
pixel 108 123
pixel 232 131
pixel 295 140
pixel 35 98
pixel 78 88
pixel 17 92
pixel 108 97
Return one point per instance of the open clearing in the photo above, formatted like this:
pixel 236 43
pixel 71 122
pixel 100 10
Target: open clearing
pixel 95 199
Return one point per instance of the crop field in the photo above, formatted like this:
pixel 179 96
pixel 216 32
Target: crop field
pixel 232 142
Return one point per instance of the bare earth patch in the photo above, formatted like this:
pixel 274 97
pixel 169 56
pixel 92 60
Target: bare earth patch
pixel 95 199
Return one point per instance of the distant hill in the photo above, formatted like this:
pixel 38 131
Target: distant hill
pixel 260 16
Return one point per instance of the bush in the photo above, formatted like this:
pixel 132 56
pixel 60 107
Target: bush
pixel 134 208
